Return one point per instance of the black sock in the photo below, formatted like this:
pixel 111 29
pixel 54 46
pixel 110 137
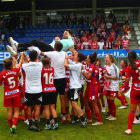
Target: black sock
pixel 103 105
pixel 48 121
pixel 30 122
pixel 75 118
pixel 55 120
pixel 82 107
pixel 137 117
pixel 36 123
pixel 64 114
pixel 51 117
pixel 83 118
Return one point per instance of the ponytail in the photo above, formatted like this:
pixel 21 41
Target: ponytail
pixel 93 57
pixel 81 56
pixel 132 56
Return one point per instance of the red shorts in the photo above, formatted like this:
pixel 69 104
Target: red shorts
pixel 91 92
pixel 13 101
pixel 112 93
pixel 67 85
pixel 125 87
pixel 135 96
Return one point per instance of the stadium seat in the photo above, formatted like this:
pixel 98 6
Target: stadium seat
pixel 37 35
pixel 14 35
pixel 59 31
pixel 33 31
pixel 46 27
pixel 24 39
pixel 18 31
pixel 19 40
pixel 60 26
pixel 135 24
pixel 36 38
pixel 136 28
pixel 14 32
pixel 61 34
pixel 54 31
pixel 24 31
pixel 31 27
pixel 41 27
pixel 49 31
pixel 35 27
pixel 53 35
pixel 42 35
pixel 46 39
pixel 139 24
pixel 26 27
pixel 32 35
pixel 8 35
pixel 50 27
pixel 44 31
pixel 48 35
pixel 30 38
pixel 29 31
pixel 138 37
pixel 27 35
pixel 55 26
pixel 85 26
pixel 80 26
pixel 17 28
pixel 65 26
pixel 39 31
pixel 74 26
pixel 139 42
pixel 17 35
pixel 70 26
pixel 51 39
pixel 137 32
pixel 7 44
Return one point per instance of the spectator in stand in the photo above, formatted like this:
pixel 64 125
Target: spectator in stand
pixel 117 44
pixel 21 29
pixel 93 32
pixel 75 19
pixel 58 36
pixel 126 26
pixel 127 32
pixel 99 31
pixel 109 44
pixel 101 45
pixel 78 45
pixel 41 39
pixel 77 39
pixel 90 39
pixel 116 28
pixel 69 19
pixel 88 34
pixel 111 39
pixel 125 35
pixel 126 17
pixel 81 20
pixel 3 38
pixel 74 40
pixel 83 37
pixel 97 21
pixel 109 26
pixel 94 45
pixel 103 25
pixel 111 16
pixel 87 21
pixel 103 35
pixel 113 33
pixel 2 48
pixel 95 37
pixel 81 32
pixel 126 44
pixel 85 45
pixel 102 13
pixel 119 38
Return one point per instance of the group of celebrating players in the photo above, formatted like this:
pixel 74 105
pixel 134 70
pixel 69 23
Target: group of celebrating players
pixel 37 79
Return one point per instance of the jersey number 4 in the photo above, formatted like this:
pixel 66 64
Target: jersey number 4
pixel 48 78
pixel 11 82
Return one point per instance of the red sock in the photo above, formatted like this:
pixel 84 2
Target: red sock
pixel 113 108
pixel 41 110
pixel 130 119
pixel 98 116
pixel 125 99
pixel 99 106
pixel 25 114
pixel 10 123
pixel 67 109
pixel 108 101
pixel 15 121
pixel 122 100
pixel 91 107
pixel 88 114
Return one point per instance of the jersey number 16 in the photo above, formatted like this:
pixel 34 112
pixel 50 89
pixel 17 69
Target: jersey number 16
pixel 48 78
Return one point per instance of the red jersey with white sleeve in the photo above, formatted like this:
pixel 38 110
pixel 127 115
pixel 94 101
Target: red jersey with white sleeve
pixel 125 43
pixel 83 38
pixel 91 69
pixel 78 46
pixel 48 79
pixel 108 45
pixel 90 41
pixel 135 75
pixel 85 45
pixel 94 45
pixel 113 34
pixel 101 72
pixel 104 34
pixel 123 72
pixel 97 76
pixel 102 25
pixel 99 30
pixel 11 83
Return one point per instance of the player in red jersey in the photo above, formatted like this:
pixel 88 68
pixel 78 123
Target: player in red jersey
pixel 49 95
pixel 133 70
pixel 91 93
pixel 124 87
pixel 9 77
pixel 98 64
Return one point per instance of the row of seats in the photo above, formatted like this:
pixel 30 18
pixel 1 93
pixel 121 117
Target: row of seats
pixel 55 26
pixel 136 24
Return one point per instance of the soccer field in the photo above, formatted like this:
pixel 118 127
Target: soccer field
pixel 108 131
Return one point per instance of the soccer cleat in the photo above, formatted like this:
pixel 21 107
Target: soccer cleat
pixel 27 122
pixel 97 123
pixel 122 107
pixel 83 124
pixel 63 120
pixel 112 119
pixel 127 104
pixel 30 128
pixel 55 126
pixel 68 117
pixel 48 127
pixel 37 128
pixel 10 49
pixel 41 116
pixel 103 109
pixel 128 132
pixel 52 122
pixel 14 128
pixel 89 121
pixel 136 121
pixel 13 44
pixel 74 121
pixel 109 117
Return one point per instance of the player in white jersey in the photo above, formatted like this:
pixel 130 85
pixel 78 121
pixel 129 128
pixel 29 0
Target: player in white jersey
pixel 111 85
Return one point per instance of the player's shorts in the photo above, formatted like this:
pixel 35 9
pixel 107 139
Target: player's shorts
pixel 49 98
pixel 91 92
pixel 112 93
pixel 60 85
pixel 73 94
pixel 13 101
pixel 125 87
pixel 67 86
pixel 135 96
pixel 30 98
pixel 82 89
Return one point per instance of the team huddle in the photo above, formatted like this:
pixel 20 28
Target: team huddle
pixel 37 79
